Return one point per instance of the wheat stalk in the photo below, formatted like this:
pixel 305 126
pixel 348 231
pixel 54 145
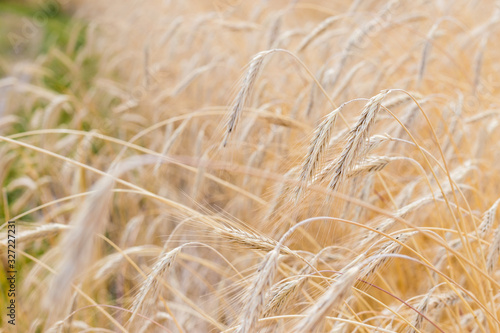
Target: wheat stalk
pixel 112 261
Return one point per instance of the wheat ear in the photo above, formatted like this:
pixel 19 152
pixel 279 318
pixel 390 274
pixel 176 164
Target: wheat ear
pixel 242 96
pixel 488 219
pixel 250 239
pixel 44 231
pixel 434 303
pixel 317 149
pixel 356 141
pixel 382 255
pixel 493 252
pixel 334 295
pixel 257 291
pixel 320 28
pixel 280 295
pixel 78 244
pixel 151 286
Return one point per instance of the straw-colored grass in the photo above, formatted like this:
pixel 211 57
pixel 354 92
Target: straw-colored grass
pixel 252 166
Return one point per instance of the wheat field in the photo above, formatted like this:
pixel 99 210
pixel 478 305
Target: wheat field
pixel 252 166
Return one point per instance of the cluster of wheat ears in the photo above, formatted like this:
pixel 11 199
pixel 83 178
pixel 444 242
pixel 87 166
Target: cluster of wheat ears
pixel 258 166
